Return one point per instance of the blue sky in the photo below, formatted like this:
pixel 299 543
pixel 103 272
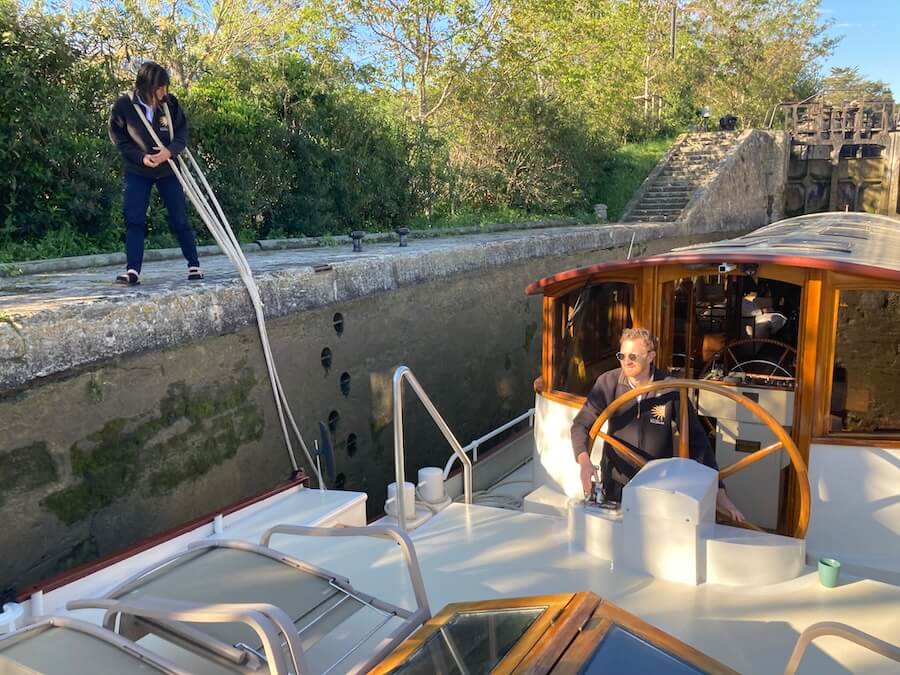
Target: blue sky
pixel 870 39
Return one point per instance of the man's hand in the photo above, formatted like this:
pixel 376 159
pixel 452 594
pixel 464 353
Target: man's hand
pixel 148 161
pixel 588 472
pixel 726 506
pixel 160 157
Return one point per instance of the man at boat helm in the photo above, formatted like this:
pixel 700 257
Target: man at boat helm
pixel 644 425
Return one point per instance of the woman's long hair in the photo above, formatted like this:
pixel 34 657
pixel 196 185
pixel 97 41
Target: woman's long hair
pixel 150 77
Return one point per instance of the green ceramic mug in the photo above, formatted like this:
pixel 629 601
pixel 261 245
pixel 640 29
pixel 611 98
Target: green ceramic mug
pixel 829 571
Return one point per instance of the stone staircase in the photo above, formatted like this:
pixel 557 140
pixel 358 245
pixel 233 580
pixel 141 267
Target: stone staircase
pixel 690 163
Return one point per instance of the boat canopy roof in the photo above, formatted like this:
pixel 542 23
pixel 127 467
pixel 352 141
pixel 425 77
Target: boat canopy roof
pixel 854 243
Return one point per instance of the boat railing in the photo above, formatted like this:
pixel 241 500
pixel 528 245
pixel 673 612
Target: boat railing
pixel 404 373
pixel 478 442
pixel 840 630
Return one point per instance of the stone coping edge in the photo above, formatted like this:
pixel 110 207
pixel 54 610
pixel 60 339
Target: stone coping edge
pixel 55 340
pixel 78 262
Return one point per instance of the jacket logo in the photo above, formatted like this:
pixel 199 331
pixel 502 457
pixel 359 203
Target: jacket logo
pixel 658 414
pixel 163 121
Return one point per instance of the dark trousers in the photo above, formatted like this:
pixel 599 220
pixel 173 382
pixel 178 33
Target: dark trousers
pixel 136 201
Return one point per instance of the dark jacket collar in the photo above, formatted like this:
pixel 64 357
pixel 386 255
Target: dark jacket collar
pixel 656 377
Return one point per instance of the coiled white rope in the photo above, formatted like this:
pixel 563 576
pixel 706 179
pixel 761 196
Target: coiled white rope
pixel 210 211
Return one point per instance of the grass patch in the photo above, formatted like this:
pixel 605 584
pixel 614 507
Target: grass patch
pixel 626 171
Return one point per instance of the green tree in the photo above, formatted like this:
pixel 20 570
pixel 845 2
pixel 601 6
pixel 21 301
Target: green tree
pixel 848 84
pixel 755 53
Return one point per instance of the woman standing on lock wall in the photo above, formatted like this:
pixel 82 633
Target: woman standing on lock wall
pixel 145 164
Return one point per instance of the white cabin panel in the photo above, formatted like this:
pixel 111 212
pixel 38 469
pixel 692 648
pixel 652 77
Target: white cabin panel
pixel 554 460
pixel 855 511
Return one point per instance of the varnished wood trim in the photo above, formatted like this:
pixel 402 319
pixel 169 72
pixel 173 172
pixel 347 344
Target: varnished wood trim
pixel 809 344
pixel 633 276
pixel 684 432
pixel 561 397
pixel 752 458
pixel 554 604
pixel 627 453
pixel 547 344
pixel 891 442
pixel 792 275
pixel 850 282
pixel 577 656
pixel 549 285
pixel 547 651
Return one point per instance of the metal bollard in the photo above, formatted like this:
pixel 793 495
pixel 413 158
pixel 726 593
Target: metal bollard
pixel 402 232
pixel 357 237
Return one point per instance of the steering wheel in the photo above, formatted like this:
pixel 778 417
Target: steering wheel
pixel 683 387
pixel 739 366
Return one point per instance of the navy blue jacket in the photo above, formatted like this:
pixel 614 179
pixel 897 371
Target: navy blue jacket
pixel 130 136
pixel 644 426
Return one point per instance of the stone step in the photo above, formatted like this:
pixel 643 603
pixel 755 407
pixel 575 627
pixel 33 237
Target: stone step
pixel 657 196
pixel 663 190
pixel 671 205
pixel 711 150
pixel 652 213
pixel 651 219
pixel 686 173
pixel 666 196
pixel 665 184
pixel 705 166
pixel 697 161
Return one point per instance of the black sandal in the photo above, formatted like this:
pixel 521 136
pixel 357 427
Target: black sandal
pixel 129 278
pixel 194 274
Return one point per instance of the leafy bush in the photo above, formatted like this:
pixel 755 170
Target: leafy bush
pixel 58 167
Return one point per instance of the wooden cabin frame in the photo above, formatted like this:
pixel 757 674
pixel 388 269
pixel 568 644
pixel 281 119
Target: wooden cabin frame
pixel 824 254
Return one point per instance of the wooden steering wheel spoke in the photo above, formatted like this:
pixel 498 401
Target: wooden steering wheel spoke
pixel 633 458
pixel 783 439
pixel 752 458
pixel 684 434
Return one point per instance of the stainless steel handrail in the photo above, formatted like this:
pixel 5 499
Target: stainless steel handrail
pixel 474 445
pixel 841 630
pixel 404 373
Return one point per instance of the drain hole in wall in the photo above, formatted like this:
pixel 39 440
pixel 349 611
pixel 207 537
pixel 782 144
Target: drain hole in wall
pixel 339 481
pixel 345 384
pixel 338 323
pixel 333 418
pixel 326 359
pixel 351 445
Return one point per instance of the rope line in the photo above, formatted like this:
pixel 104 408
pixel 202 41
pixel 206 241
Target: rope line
pixel 210 211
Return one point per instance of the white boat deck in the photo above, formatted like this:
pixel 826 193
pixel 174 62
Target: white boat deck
pixel 477 552
pixel 480 552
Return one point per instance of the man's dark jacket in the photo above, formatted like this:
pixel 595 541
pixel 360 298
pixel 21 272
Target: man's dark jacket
pixel 128 133
pixel 644 426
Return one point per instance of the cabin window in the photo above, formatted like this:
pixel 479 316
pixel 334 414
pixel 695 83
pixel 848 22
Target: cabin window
pixel 589 322
pixel 737 328
pixel 865 390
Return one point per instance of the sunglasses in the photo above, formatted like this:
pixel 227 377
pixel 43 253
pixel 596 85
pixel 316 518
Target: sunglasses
pixel 630 357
